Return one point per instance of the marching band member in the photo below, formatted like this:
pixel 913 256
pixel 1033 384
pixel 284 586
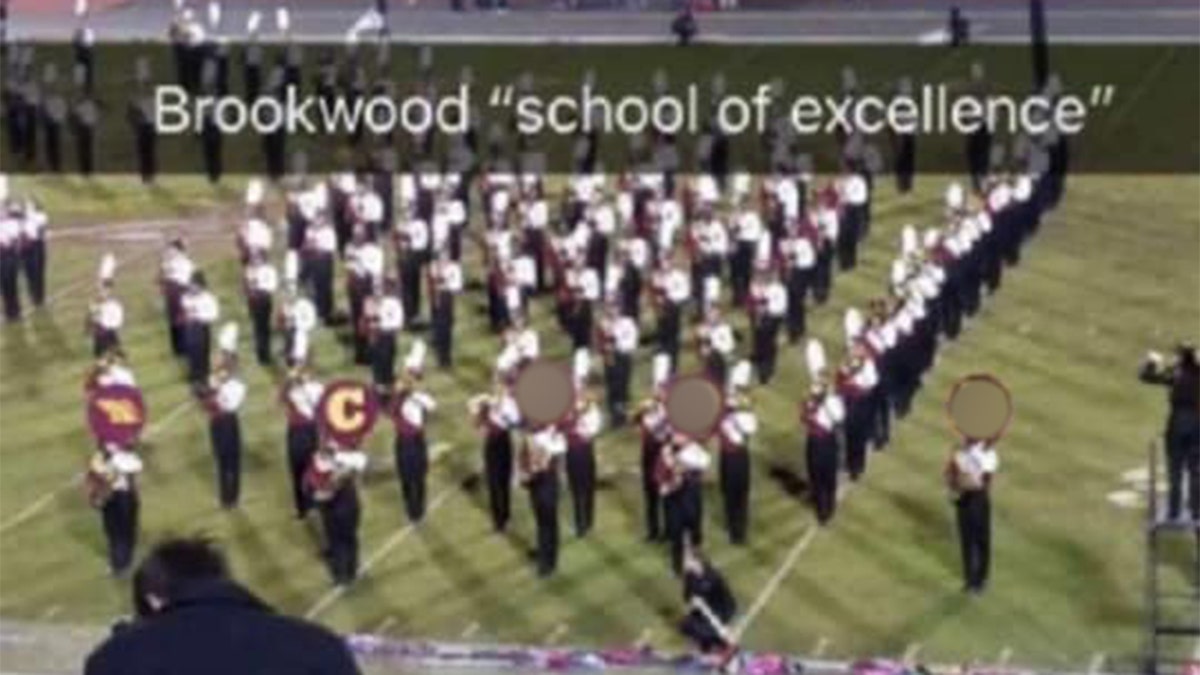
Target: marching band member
pixel 301 394
pixel 320 248
pixel 619 345
pixel 769 306
pixel 112 488
pixel 200 310
pixel 1182 434
pixel 737 427
pixel 226 394
pixel 10 262
pixel 33 250
pixel 365 265
pixel 582 428
pixel 681 468
pixel 717 344
pixel 411 407
pixel 412 244
pixel 673 289
pixel 539 473
pixel 385 318
pixel 748 231
pixel 969 475
pixel 445 282
pixel 856 381
pixel 822 413
pixel 651 417
pixel 261 281
pixel 332 481
pixel 634 253
pixel 496 415
pixel 175 274
pixel 107 314
pixel 826 221
pixel 853 198
pixel 585 294
pixel 799 251
pixel 298 317
pixel 880 337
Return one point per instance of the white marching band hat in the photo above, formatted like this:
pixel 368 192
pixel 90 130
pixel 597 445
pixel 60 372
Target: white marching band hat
pixel 908 240
pixel 255 191
pixel 291 267
pixel 227 340
pixel 108 268
pixel 581 366
pixel 414 363
pixel 661 369
pixel 739 376
pixel 814 356
pixel 853 324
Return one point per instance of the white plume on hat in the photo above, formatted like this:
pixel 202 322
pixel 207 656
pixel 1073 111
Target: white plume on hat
pixel 661 369
pixel 291 267
pixel 581 365
pixel 3 187
pixel 814 356
pixel 415 361
pixel 712 289
pixel 254 192
pixel 253 23
pixel 931 237
pixel 227 340
pixel 739 376
pixel 214 14
pixel 899 272
pixel 908 240
pixel 283 19
pixel 108 267
pixel 955 196
pixel 853 323
pixel 300 347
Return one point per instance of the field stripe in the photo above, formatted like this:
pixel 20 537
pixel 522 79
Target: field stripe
pixel 334 594
pixel 45 500
pixel 75 285
pixel 773 585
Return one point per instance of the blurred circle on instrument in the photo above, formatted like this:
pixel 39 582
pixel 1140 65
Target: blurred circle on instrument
pixel 694 406
pixel 980 407
pixel 544 391
pixel 347 412
pixel 116 414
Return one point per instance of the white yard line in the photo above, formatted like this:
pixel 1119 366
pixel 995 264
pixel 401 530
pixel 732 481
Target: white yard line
pixel 1005 656
pixel 910 654
pixel 470 630
pixel 556 635
pixel 764 596
pixel 387 622
pixel 1096 663
pixel 75 285
pixel 334 594
pixel 820 648
pixel 42 502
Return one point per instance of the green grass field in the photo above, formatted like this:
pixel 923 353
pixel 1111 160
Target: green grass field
pixel 1113 272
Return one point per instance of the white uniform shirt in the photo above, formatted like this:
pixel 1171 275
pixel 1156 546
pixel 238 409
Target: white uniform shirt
pixel 677 286
pixel 800 252
pixel 391 314
pixel 262 278
pixel 10 232
pixel 451 277
pixel 116 375
pixel 110 315
pixel 737 427
pixel 693 457
pixel 587 426
pixel 202 307
pixel 831 411
pixel 302 314
pixel 625 335
pixel 504 412
pixel 306 397
pixel 322 239
pixel 230 395
pixel 416 408
pixel 776 299
pixel 853 190
pixel 720 338
pixel 257 235
pixel 178 268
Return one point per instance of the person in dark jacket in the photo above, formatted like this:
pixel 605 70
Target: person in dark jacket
pixel 1182 434
pixel 193 619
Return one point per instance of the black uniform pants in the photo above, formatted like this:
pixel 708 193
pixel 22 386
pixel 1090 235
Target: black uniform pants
pixel 848 236
pixel 543 495
pixel 120 515
pixel 226 434
pixel 410 285
pixel 797 289
pixel 174 325
pixel 443 329
pixel 301 444
pixel 684 515
pixel 651 497
pixel 581 474
pixel 735 490
pixel 321 266
pixel 34 258
pixel 383 360
pixel 822 456
pixel 618 374
pixel 668 332
pixel 698 628
pixel 103 340
pixel 823 276
pixel 766 340
pixel 340 516
pixel 858 432
pixel 9 270
pixel 975 535
pixel 498 467
pixel 260 317
pixel 1183 462
pixel 412 466
pixel 196 338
